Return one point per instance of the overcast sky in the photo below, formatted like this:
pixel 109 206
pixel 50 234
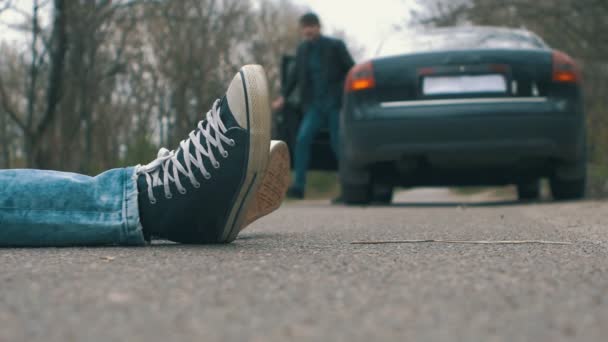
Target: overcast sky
pixel 365 22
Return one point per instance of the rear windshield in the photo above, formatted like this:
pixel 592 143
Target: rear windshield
pixel 459 39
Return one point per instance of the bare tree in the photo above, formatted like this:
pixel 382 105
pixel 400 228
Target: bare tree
pixel 439 12
pixel 104 83
pixel 32 121
pixel 4 5
pixel 100 32
pixel 11 71
pixel 204 38
pixel 4 141
pixel 267 44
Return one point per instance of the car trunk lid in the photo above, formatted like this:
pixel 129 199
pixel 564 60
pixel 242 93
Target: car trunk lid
pixel 463 75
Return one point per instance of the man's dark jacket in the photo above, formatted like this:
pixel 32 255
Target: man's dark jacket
pixel 335 64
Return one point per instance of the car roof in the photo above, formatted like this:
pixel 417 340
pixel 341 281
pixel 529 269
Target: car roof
pixel 487 29
pixel 419 33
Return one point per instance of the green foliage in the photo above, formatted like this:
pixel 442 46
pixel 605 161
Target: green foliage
pixel 140 151
pixel 322 185
pixel 597 184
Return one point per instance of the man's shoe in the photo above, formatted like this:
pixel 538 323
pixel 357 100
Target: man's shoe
pixel 271 193
pixel 295 193
pixel 202 192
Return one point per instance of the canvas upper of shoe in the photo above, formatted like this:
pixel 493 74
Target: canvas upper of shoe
pixel 190 204
pixel 197 192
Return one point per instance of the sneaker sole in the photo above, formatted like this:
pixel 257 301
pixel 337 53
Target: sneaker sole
pixel 273 188
pixel 255 86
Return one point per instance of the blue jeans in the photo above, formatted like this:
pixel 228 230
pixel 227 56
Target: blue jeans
pixel 49 208
pixel 313 121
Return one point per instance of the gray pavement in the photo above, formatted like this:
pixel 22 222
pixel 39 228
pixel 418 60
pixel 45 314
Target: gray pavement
pixel 295 276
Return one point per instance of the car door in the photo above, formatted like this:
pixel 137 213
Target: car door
pixel 287 121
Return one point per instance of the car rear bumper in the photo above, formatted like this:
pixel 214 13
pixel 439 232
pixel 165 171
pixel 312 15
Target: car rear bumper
pixel 465 135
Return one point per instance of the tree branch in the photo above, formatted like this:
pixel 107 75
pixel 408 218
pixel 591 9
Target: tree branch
pixel 5 4
pixel 8 108
pixel 55 83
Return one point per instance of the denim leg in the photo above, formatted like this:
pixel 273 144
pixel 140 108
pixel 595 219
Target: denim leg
pixel 310 126
pixel 334 131
pixel 49 208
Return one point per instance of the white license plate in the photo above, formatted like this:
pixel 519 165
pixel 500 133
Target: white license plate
pixel 444 85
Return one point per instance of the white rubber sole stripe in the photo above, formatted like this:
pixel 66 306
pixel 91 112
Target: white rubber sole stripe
pixel 255 87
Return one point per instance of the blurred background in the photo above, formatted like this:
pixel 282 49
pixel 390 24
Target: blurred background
pixel 87 85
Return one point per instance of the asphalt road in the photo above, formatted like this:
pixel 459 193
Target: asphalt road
pixel 296 276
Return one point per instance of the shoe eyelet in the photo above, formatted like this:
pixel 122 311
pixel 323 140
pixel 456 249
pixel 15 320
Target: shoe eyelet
pixel 225 154
pixel 168 196
pixel 183 191
pixel 207 176
pixel 232 142
pixel 196 185
pixel 152 201
pixel 216 165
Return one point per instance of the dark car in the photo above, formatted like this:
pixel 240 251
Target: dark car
pixel 459 107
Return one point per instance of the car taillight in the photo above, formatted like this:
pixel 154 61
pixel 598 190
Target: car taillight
pixel 565 69
pixel 360 77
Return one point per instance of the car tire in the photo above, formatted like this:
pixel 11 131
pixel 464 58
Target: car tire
pixel 528 191
pixel 382 193
pixel 568 189
pixel 356 194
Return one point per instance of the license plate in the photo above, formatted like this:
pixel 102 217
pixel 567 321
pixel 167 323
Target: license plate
pixel 445 85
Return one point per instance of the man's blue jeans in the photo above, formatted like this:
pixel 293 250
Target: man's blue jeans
pixel 314 119
pixel 49 208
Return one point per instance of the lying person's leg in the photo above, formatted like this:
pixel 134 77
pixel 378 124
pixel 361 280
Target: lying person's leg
pixel 48 208
pixel 65 209
pixel 204 192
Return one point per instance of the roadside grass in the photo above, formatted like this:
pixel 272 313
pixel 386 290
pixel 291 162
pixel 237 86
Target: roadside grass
pixel 470 190
pixel 597 180
pixel 322 185
pixel 502 191
pixel 325 185
pixel 597 185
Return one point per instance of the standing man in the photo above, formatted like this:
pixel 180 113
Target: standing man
pixel 321 67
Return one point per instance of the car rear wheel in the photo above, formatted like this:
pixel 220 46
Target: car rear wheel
pixel 356 194
pixel 568 189
pixel 382 193
pixel 528 191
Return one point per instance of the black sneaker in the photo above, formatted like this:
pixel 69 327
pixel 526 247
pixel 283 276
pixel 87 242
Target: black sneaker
pixel 295 193
pixel 201 192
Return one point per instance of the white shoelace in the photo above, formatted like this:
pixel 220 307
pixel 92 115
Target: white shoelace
pixel 166 158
